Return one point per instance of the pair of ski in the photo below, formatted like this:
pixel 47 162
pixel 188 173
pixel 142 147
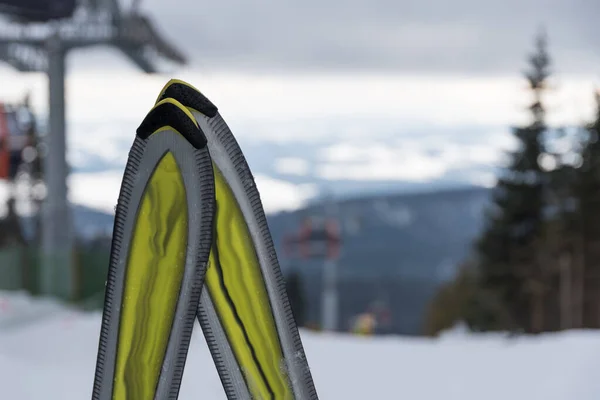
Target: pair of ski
pixel 191 240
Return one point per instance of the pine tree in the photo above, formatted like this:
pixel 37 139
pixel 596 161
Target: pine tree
pixel 587 282
pixel 560 248
pixel 508 251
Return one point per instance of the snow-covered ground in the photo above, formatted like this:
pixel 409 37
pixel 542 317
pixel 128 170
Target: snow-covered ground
pixel 48 352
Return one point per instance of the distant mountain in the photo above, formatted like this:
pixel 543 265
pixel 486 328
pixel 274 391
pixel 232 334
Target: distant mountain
pixel 403 234
pixel 89 223
pixel 397 248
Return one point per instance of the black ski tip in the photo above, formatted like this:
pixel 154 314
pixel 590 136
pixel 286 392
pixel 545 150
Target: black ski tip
pixel 169 112
pixel 189 97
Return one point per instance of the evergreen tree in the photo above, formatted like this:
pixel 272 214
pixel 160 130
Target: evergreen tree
pixel 508 251
pixel 559 251
pixel 587 277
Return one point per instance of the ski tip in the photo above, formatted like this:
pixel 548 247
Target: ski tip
pixel 172 81
pixel 189 96
pixel 170 113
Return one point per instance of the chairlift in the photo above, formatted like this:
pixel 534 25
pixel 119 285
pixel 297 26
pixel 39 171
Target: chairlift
pixel 317 237
pixel 17 136
pixel 37 10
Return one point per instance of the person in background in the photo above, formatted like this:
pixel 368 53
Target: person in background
pixel 364 324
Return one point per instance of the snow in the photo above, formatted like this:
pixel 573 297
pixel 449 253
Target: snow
pixel 48 351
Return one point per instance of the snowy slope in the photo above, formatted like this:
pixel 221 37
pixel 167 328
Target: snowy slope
pixel 53 358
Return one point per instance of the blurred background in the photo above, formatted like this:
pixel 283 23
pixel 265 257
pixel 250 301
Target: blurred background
pixel 430 171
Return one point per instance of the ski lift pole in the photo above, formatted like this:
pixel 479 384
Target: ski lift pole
pixel 45 50
pixel 330 295
pixel 56 275
pixel 330 299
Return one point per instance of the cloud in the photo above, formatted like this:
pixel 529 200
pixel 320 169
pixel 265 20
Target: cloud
pixel 387 80
pixel 344 153
pixel 358 104
pixel 279 195
pixel 416 168
pixel 100 190
pixel 358 36
pixel 480 178
pixel 413 159
pixel 381 36
pixel 465 36
pixel 292 166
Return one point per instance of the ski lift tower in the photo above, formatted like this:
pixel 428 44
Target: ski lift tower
pixel 36 36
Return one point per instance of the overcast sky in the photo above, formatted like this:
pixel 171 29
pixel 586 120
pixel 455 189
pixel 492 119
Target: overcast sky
pixel 377 83
pixel 460 36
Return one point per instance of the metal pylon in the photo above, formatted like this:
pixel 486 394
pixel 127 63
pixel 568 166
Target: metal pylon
pixel 43 47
